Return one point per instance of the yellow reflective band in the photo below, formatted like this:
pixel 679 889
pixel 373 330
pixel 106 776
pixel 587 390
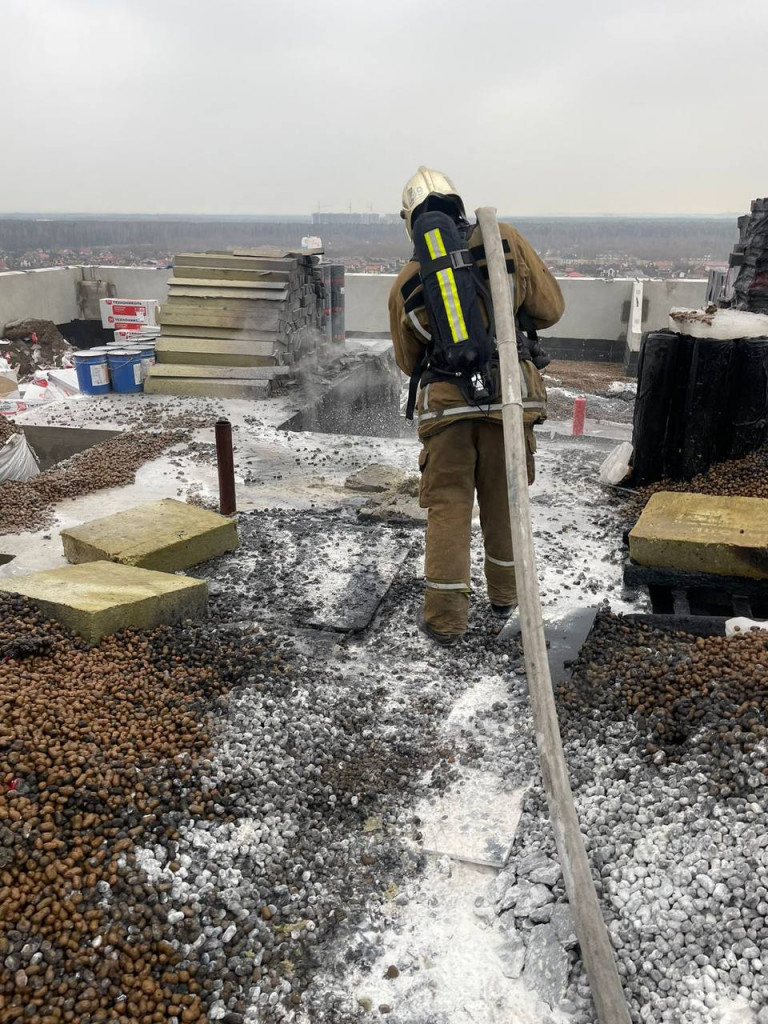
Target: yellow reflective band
pixel 451 304
pixel 461 326
pixel 435 244
pixel 448 289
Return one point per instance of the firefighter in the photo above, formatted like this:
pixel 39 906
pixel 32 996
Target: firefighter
pixel 463 444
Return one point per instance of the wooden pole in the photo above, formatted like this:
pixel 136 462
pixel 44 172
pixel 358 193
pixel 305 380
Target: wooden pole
pixel 596 948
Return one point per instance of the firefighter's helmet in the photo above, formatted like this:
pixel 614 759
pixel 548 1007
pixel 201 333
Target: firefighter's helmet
pixel 425 183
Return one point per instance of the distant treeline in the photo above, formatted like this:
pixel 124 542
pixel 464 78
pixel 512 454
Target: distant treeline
pixel 642 238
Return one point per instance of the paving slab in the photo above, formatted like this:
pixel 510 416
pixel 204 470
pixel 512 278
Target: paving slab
pixel 475 822
pixel 164 535
pixel 703 533
pixel 99 598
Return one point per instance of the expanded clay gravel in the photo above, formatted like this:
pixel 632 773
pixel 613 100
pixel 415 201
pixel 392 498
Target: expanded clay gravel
pixel 747 477
pixel 7 429
pixel 664 735
pixel 687 695
pixel 144 878
pixel 113 463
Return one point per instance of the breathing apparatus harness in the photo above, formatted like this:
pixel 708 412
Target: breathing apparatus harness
pixel 460 347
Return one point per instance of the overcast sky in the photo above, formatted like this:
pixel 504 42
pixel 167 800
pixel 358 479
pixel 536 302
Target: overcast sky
pixel 289 106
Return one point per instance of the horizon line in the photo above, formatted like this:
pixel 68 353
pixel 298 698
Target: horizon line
pixel 307 217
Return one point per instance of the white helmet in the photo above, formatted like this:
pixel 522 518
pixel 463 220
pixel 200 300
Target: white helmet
pixel 425 183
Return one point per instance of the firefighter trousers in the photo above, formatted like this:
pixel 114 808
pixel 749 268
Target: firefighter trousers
pixel 462 458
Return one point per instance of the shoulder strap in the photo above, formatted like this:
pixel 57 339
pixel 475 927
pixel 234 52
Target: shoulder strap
pixel 413 387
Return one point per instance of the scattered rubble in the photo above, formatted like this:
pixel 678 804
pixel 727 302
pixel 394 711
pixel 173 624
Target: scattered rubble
pixel 113 463
pixel 31 344
pixel 393 495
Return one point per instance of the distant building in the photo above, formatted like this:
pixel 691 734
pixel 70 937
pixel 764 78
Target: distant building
pixel 354 218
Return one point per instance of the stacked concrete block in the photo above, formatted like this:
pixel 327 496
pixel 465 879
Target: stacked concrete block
pixel 229 313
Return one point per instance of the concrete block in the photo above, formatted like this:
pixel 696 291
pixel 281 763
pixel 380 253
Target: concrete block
pixel 703 533
pixel 165 535
pixel 100 598
pixel 253 390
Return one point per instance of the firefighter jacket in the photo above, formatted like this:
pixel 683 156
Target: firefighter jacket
pixel 441 403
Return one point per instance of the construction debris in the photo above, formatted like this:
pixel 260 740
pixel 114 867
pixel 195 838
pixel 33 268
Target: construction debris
pixel 694 696
pixel 30 344
pixel 7 429
pixel 665 739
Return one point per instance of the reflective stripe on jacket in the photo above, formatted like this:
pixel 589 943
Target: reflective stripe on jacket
pixel 442 402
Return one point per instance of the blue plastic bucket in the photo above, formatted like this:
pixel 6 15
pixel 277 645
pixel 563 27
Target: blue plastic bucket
pixel 147 358
pixel 125 370
pixel 92 370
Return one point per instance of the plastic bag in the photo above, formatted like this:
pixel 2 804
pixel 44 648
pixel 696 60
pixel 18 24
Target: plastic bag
pixel 615 468
pixel 17 460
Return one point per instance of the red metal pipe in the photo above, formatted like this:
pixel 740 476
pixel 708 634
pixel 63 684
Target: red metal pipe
pixel 579 415
pixel 226 465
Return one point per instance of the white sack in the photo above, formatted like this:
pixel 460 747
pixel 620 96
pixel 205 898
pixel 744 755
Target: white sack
pixel 615 467
pixel 17 460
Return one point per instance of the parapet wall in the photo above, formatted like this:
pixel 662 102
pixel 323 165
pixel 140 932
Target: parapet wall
pixel 595 309
pixel 596 323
